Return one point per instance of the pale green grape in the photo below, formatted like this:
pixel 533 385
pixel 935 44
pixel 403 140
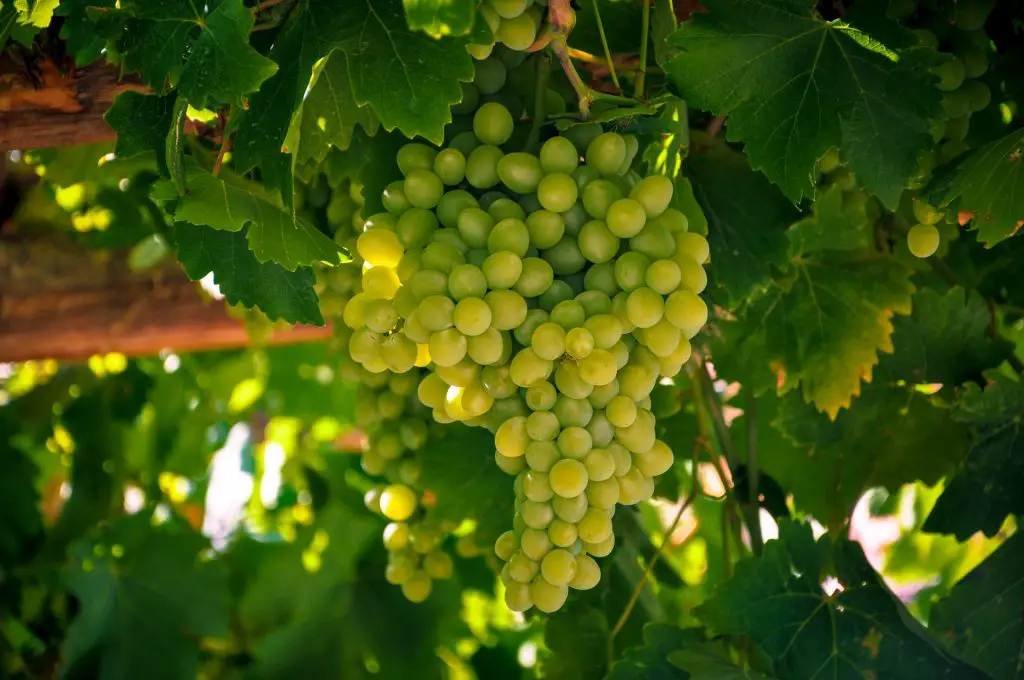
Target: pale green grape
pixel 506 546
pixel 447 347
pixel 565 257
pixel 541 397
pixel 570 509
pixel 490 75
pixel 547 597
pixel 492 124
pixel 656 461
pixel 923 240
pixel 557 192
pixel 441 257
pixel 694 245
pixel 598 197
pixel 511 438
pixel 396 536
pixel 472 317
pixel 503 208
pixel 541 456
pixel 509 235
pixel 502 269
pixel 508 309
pixel 595 527
pixel 536 486
pixel 534 318
pixel 466 281
pixel 486 348
pixel 639 437
pixel 569 382
pixel 644 307
pixel 415 227
pixel 521 568
pixel 398 502
pixel 568 477
pixel 654 193
pixel 579 343
pixel 686 311
pixel 631 270
pixel 598 367
pixel 603 394
pixel 607 153
pixel 518 33
pixel 438 565
pixel 482 165
pixel 559 155
pixel 412 157
pixel 528 369
pixel 588 573
pixel 475 226
pixel 537 515
pixel 423 188
pixel 535 544
pixel 573 412
pixel 517 596
pixel 520 172
pixel 626 218
pixel 546 228
pixel 568 314
pixel 597 242
pixel 600 465
pixel 536 277
pixel 380 247
pixel 594 302
pixel 558 567
pixel 510 466
pixel 542 426
pixel 602 549
pixel 662 338
pixel 436 312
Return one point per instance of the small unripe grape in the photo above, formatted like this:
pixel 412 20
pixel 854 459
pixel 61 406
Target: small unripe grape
pixel 547 597
pixel 412 157
pixel 923 240
pixel 558 567
pixel 511 438
pixel 492 124
pixel 506 546
pixel 438 565
pixel 398 502
pixel 570 509
pixel 606 153
pixel 559 155
pixel 568 478
pixel 654 193
pixel 557 192
pixel 450 166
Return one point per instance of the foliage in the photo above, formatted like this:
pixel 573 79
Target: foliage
pixel 848 468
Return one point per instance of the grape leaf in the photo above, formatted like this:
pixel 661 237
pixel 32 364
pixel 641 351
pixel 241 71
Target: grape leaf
pixel 794 85
pixel 990 185
pixel 822 327
pixel 142 123
pixel 274 234
pixel 35 12
pixel 577 636
pixel 861 630
pixel 144 606
pixel 459 471
pixel 279 293
pixel 704 664
pixel 83 38
pixel 981 619
pixel 838 223
pixel 747 218
pixel 329 114
pixel 20 521
pixel 834 462
pixel 946 340
pixel 440 17
pixel 651 661
pixel 994 468
pixel 206 55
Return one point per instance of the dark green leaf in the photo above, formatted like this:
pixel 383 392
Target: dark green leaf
pixel 747 218
pixel 839 222
pixel 84 38
pixel 174 144
pixel 459 470
pixel 440 17
pixel 861 630
pixel 20 521
pixel 145 598
pixel 279 293
pixel 794 85
pixel 990 185
pixel 651 661
pixel 577 636
pixel 142 123
pixel 822 328
pixel 987 487
pixel 703 663
pixel 946 340
pixel 981 619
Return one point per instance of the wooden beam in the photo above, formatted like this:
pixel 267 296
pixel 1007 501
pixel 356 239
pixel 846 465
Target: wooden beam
pixel 51 108
pixel 60 301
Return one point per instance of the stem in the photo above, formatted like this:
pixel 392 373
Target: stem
pixel 604 44
pixel 635 596
pixel 753 473
pixel 267 4
pixel 750 513
pixel 584 95
pixel 645 30
pixel 225 146
pixel 715 126
pixel 539 103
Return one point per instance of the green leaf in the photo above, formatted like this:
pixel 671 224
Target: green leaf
pixel 440 17
pixel 279 293
pixel 174 145
pixel 145 598
pixel 876 443
pixel 329 115
pixel 84 38
pixel 987 487
pixel 794 85
pixel 577 636
pixel 822 327
pixel 981 618
pixel 989 183
pixel 20 521
pixel 703 663
pixel 946 340
pixel 859 631
pixel 142 123
pixel 651 661
pixel 459 470
pixel 273 235
pixel 747 218
pixel 206 55
pixel 35 12
pixel 839 222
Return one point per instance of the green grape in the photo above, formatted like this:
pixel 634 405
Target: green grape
pixel 379 315
pixel 632 146
pixel 417 587
pixel 427 282
pixel 379 247
pixel 631 270
pixel 380 282
pixel 951 74
pixel 541 456
pixel 536 486
pixel 441 257
pixel 654 462
pixel 579 342
pixel 450 166
pixel 492 124
pixel 560 291
pixel 397 502
pixel 542 426
pixel 600 465
pixel 568 314
pixel 638 437
pixel 490 75
pixel 412 157
pixel 414 227
pixel 663 277
pixel 597 242
pixel 465 141
pixel 557 192
pixel 626 218
pixel 518 33
pixel 598 197
pixel 546 228
pixel 596 526
pixel 534 318
pixel 559 155
pixel 537 515
pixel 511 439
pixel 518 597
pixel 693 275
pixel 601 277
pixel 472 317
pixel 644 307
pixel 541 397
pixel 686 311
pixel 497 379
pixel 923 240
pixel 655 241
pixel 535 543
pixel 547 597
pixel 393 198
pixel 503 208
pixel 569 382
pixel 398 571
pixel 423 188
pixel 396 536
pixel 598 367
pixel 528 369
pixel 466 281
pixel 926 38
pixel 621 411
pixel 588 574
pixel 548 341
pixel 480 52
pixel 971 16
pixel 561 533
pixel 438 565
pixel 584 175
pixel 436 312
pixel 447 347
pixel 956 103
pixel 558 567
pixel 506 546
pixel 536 277
pixel 573 412
pixel 634 487
pixel 508 309
pixel 509 235
pixel 975 60
pixel 594 302
pixel 570 509
pixel 607 153
pixel 482 165
pixel 605 329
pixel 475 225
pixel 565 257
pixel 979 94
pixel 398 353
pixel 568 477
pixel 520 172
pixel 654 193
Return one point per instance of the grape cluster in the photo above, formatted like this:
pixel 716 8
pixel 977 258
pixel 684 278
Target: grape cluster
pixel 513 23
pixel 544 297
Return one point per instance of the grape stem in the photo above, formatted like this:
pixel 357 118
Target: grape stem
pixel 539 103
pixel 635 596
pixel 561 19
pixel 225 146
pixel 645 29
pixel 607 50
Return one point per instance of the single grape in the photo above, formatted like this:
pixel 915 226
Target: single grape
pixel 518 33
pixel 588 573
pixel 568 477
pixel 923 240
pixel 492 124
pixel 559 155
pixel 450 166
pixel 379 247
pixel 423 188
pixel 557 192
pixel 654 193
pixel 607 153
pixel 598 197
pixel 398 502
pixel 482 165
pixel 547 597
pixel 626 218
pixel 536 277
pixel 490 75
pixel 546 228
pixel 412 157
pixel 558 567
pixel 509 235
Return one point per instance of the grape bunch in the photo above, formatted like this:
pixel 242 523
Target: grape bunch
pixel 513 23
pixel 545 297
